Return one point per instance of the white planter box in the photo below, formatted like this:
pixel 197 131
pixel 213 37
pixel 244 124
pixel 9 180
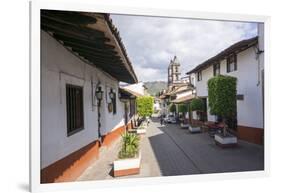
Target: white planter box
pixel 225 140
pixel 141 131
pixel 184 125
pixel 124 167
pixel 194 129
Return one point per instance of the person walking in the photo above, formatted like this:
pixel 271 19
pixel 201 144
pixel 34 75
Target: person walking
pixel 161 119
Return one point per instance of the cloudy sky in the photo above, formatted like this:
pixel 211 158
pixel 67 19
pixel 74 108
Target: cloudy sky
pixel 151 42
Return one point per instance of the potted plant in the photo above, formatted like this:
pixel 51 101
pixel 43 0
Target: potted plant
pixel 129 157
pixel 141 129
pixel 183 110
pixel 196 104
pixel 222 102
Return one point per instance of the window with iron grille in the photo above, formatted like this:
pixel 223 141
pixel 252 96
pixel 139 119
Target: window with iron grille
pixel 231 63
pixel 199 75
pixel 74 109
pixel 114 104
pixel 216 67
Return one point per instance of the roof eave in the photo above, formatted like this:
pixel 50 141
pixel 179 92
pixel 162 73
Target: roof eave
pixel 234 48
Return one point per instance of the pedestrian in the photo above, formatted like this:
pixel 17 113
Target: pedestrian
pixel 161 119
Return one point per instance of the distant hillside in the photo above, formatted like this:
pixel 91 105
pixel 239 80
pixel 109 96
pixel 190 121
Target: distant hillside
pixel 155 86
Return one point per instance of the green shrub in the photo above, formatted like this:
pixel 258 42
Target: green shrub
pixel 172 108
pixel 130 145
pixel 145 106
pixel 196 104
pixel 183 108
pixel 222 95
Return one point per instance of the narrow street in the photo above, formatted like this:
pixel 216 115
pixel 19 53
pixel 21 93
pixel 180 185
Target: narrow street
pixel 169 150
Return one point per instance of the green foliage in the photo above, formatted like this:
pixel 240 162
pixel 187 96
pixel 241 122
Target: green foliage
pixel 145 106
pixel 183 108
pixel 222 95
pixel 154 87
pixel 172 108
pixel 130 145
pixel 196 104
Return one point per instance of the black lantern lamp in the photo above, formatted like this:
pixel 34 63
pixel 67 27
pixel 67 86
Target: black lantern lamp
pixel 99 95
pixel 111 94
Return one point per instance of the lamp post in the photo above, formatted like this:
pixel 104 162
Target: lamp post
pixel 111 94
pixel 99 95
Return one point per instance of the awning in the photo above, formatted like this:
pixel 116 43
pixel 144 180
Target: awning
pixel 93 38
pixel 132 92
pixel 183 99
pixel 124 94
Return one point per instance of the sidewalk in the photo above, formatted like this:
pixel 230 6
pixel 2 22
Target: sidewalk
pixel 169 150
pixel 102 168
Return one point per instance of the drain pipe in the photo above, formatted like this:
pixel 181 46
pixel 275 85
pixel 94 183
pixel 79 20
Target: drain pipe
pixel 258 52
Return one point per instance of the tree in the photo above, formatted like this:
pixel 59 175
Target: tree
pixel 196 104
pixel 222 97
pixel 145 106
pixel 182 108
pixel 172 108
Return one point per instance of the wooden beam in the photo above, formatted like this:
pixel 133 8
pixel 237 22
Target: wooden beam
pixel 118 64
pixel 82 41
pixel 105 62
pixel 87 34
pixel 73 17
pixel 104 56
pixel 89 49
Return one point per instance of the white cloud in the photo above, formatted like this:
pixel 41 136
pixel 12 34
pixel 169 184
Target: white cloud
pixel 152 41
pixel 149 74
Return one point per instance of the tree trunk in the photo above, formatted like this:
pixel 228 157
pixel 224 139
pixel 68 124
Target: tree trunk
pixel 190 117
pixel 224 126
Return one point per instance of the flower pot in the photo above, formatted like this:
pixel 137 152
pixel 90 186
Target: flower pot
pixel 194 129
pixel 225 141
pixel 125 167
pixel 184 125
pixel 141 131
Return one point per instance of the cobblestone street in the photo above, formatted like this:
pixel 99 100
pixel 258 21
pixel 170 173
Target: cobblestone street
pixel 169 150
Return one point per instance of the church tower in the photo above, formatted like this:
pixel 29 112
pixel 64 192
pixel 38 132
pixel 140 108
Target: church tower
pixel 174 72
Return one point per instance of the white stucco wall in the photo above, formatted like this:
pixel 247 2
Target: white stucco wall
pixel 58 67
pixel 249 110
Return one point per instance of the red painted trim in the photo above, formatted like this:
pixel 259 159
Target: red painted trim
pixel 109 138
pixel 126 172
pixel 251 134
pixel 72 166
pixel 69 168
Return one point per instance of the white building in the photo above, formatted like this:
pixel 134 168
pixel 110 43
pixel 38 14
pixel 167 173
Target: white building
pixel 138 89
pixel 156 105
pixel 81 55
pixel 243 60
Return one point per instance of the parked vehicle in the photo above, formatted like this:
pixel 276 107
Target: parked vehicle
pixel 170 119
